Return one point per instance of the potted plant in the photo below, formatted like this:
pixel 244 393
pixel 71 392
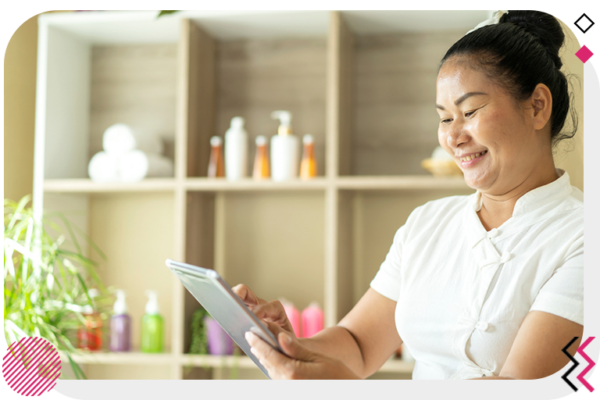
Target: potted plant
pixel 46 286
pixel 207 337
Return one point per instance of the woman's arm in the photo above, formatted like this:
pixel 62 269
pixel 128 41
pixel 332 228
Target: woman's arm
pixel 537 349
pixel 364 339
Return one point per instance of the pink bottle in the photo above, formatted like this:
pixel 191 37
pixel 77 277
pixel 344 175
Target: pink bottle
pixel 293 315
pixel 312 320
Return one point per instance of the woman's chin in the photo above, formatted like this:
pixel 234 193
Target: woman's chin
pixel 476 181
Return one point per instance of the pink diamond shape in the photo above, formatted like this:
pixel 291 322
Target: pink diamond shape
pixel 584 54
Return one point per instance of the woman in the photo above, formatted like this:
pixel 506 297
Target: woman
pixel 482 286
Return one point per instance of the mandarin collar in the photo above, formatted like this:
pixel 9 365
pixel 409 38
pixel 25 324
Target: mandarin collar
pixel 533 200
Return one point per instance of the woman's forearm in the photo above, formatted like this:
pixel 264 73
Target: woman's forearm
pixel 338 342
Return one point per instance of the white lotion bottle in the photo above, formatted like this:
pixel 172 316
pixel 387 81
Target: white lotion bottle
pixel 284 149
pixel 236 150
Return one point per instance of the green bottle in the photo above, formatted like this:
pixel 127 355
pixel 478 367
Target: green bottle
pixel 152 326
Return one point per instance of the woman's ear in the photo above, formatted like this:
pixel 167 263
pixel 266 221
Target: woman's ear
pixel 541 100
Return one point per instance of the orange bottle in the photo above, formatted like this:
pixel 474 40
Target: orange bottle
pixel 216 166
pixel 308 166
pixel 261 161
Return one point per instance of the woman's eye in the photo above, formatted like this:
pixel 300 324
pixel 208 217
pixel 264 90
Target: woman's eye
pixel 445 121
pixel 470 113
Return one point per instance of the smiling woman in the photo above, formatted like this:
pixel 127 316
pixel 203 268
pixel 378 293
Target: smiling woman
pixel 482 286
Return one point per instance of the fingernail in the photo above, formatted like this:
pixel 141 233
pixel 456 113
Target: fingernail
pixel 248 336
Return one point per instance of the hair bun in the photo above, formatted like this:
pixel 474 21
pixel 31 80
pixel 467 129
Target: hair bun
pixel 543 26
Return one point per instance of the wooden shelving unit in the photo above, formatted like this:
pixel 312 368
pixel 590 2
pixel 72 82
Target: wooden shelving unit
pixel 361 82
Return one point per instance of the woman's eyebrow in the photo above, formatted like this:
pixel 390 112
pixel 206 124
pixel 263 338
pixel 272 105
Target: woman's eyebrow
pixel 462 98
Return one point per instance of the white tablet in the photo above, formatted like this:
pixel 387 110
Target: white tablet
pixel 215 295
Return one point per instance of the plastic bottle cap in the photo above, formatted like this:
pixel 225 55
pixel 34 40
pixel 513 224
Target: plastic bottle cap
pixel 237 122
pixel 152 304
pixel 120 306
pixel 261 140
pixel 285 121
pixel 216 141
pixel 307 139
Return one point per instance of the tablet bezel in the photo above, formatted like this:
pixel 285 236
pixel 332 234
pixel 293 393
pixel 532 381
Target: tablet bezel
pixel 211 276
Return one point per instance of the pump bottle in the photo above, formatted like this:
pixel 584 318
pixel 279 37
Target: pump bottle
pixel 236 150
pixel 152 326
pixel 284 149
pixel 120 325
pixel 89 337
pixel 293 316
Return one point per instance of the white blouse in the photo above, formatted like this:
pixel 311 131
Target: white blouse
pixel 463 292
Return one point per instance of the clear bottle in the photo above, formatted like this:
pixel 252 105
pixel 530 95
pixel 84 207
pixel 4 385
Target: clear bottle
pixel 120 325
pixel 216 166
pixel 152 326
pixel 89 336
pixel 236 150
pixel 308 167
pixel 261 161
pixel 284 149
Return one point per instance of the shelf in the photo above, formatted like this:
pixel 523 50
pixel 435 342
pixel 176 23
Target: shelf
pixel 408 182
pixel 88 186
pixel 207 184
pixel 120 358
pixel 242 361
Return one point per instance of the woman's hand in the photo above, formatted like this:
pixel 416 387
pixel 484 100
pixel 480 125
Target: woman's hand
pixel 267 311
pixel 298 362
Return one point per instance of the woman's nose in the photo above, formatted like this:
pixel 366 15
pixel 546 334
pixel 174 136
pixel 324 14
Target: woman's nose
pixel 457 135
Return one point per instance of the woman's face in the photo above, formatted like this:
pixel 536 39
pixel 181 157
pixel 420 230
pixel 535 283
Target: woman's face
pixel 481 126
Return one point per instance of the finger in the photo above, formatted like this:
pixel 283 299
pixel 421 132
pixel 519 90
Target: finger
pixel 273 311
pixel 247 295
pixel 274 327
pixel 278 365
pixel 292 347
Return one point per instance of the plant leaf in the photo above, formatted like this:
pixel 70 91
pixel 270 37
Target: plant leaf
pixel 165 12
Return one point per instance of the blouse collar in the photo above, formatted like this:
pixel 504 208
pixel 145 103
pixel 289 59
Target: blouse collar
pixel 530 205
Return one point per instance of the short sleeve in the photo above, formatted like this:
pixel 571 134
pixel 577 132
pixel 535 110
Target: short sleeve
pixel 562 294
pixel 387 279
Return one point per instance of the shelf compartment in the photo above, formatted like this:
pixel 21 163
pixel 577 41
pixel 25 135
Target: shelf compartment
pixel 394 122
pixel 250 77
pixel 273 242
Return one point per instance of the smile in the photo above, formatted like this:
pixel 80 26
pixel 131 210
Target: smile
pixel 472 156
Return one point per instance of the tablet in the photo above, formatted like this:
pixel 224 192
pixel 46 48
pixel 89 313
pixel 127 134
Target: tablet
pixel 215 295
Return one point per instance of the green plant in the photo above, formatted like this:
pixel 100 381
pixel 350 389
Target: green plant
pixel 45 285
pixel 199 342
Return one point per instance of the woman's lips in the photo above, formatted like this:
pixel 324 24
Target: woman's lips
pixel 470 160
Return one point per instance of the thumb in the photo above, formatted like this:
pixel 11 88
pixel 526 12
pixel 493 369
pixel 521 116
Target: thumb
pixel 293 348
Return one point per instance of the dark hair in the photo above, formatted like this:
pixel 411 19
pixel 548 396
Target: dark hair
pixel 518 53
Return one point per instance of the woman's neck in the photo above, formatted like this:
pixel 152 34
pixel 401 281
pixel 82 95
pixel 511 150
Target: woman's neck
pixel 497 209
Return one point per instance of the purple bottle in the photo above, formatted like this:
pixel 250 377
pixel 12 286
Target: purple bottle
pixel 219 342
pixel 120 325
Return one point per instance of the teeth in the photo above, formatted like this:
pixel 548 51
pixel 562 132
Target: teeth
pixel 469 158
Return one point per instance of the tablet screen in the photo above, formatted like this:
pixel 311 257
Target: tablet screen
pixel 215 295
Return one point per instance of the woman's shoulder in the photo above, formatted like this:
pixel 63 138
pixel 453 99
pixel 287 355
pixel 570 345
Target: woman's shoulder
pixel 440 209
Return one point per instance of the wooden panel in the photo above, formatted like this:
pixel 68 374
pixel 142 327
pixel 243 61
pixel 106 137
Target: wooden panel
pixel 273 242
pixel 64 99
pixel 344 273
pixel 340 92
pixel 395 119
pixel 197 94
pixel 199 248
pixel 256 77
pixel 134 85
